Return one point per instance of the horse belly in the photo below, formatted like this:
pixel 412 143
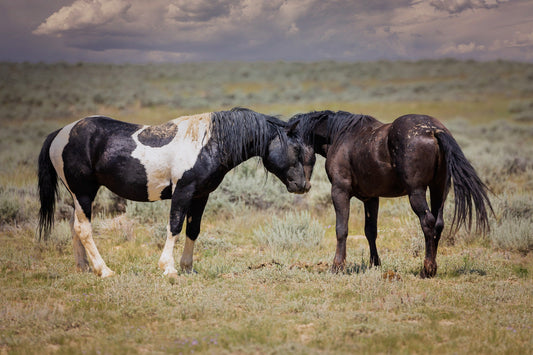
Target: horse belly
pixel 377 179
pixel 123 175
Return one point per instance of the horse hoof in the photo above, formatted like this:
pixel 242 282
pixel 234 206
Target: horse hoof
pixel 429 270
pixel 173 276
pixel 107 273
pixel 427 274
pixel 170 271
pixel 190 271
pixel 335 269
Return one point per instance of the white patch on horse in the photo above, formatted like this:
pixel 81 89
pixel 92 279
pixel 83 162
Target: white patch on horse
pixel 56 150
pixel 168 163
pixel 82 228
pixel 166 261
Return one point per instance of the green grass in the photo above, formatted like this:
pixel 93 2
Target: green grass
pixel 252 294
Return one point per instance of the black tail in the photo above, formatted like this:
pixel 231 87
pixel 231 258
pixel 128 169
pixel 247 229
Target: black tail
pixel 467 186
pixel 47 188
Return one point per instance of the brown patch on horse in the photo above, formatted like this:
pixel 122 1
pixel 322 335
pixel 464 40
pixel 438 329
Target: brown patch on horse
pixel 193 124
pixel 158 136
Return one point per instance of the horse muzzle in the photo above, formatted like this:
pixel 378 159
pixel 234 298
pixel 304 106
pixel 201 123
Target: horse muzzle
pixel 296 188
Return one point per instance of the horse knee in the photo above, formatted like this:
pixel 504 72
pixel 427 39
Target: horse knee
pixel 428 224
pixel 439 226
pixel 342 233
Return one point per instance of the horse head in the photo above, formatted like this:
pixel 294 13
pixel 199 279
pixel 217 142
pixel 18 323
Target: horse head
pixel 313 128
pixel 290 160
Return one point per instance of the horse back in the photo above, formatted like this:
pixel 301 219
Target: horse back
pixel 141 163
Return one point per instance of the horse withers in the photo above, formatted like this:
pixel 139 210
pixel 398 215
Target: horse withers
pixel 368 160
pixel 183 160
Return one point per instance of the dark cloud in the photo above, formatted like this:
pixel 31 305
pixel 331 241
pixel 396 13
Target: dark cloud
pixel 177 30
pixel 200 10
pixel 457 6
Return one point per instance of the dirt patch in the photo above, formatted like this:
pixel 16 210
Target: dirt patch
pixel 391 276
pixel 321 266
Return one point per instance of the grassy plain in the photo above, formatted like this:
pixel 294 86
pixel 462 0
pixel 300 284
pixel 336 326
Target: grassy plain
pixel 258 288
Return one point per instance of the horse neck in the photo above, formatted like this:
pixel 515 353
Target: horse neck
pixel 251 149
pixel 319 138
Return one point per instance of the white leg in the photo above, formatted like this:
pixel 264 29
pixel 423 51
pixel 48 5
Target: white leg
pixel 186 257
pixel 82 228
pixel 166 261
pixel 80 256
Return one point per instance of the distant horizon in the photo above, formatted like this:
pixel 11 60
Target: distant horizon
pixel 450 59
pixel 181 31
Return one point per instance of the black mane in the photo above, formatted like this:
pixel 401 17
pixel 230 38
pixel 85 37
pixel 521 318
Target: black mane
pixel 343 121
pixel 337 122
pixel 308 121
pixel 241 132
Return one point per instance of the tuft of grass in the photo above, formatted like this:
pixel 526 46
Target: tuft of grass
pixel 513 234
pixel 513 229
pixel 294 231
pixel 149 212
pixel 61 237
pixel 9 209
pixel 17 205
pixel 249 186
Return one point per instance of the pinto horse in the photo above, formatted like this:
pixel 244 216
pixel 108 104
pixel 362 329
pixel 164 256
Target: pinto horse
pixel 368 159
pixel 183 160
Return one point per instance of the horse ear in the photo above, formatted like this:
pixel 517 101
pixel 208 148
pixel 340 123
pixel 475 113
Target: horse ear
pixel 292 128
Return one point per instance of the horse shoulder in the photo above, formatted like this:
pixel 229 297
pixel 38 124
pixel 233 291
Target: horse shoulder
pixel 338 166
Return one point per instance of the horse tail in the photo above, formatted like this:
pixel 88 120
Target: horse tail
pixel 47 188
pixel 467 186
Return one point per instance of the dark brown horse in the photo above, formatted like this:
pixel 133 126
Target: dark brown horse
pixel 368 159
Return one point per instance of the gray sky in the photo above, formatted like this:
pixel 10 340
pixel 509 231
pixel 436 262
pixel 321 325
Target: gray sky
pixel 304 30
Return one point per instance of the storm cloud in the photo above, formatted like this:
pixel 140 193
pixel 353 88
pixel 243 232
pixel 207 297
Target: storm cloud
pixel 182 30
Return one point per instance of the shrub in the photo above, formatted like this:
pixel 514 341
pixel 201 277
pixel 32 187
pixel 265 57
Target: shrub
pixel 513 234
pixel 61 237
pixel 9 209
pixel 17 205
pixel 513 231
pixel 296 230
pixel 519 106
pixel 249 185
pixel 320 194
pixel 149 212
pixel 108 203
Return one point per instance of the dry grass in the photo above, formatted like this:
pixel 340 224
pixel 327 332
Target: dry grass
pixel 241 300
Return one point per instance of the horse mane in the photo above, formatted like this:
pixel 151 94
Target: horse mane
pixel 241 132
pixel 307 122
pixel 341 122
pixel 337 122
